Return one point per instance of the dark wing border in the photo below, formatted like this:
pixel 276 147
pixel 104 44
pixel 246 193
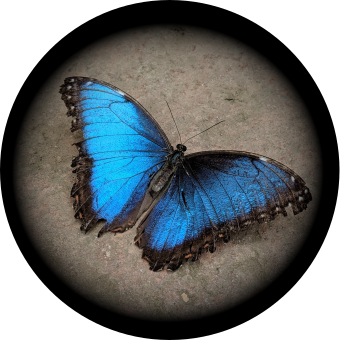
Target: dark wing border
pixel 247 154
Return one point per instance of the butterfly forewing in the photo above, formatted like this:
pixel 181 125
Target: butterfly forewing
pixel 123 147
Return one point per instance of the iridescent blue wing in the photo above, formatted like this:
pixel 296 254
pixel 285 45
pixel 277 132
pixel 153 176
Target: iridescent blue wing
pixel 212 195
pixel 122 147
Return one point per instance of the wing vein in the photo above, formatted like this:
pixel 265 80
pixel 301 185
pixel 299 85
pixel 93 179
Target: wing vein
pixel 235 181
pixel 163 211
pixel 288 187
pixel 134 128
pixel 192 172
pixel 114 180
pixel 277 191
pixel 236 216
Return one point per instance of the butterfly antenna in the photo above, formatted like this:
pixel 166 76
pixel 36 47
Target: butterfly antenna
pixel 205 130
pixel 174 121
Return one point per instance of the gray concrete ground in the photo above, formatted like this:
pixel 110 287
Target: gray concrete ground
pixel 196 71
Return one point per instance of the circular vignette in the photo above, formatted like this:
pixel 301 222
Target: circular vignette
pixel 239 28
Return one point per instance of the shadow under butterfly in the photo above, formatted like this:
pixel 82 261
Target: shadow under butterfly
pixel 129 175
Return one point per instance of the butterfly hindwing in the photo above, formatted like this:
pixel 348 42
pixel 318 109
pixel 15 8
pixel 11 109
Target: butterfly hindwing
pixel 212 195
pixel 123 147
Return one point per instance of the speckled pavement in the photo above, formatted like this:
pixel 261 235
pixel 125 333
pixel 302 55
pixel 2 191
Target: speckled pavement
pixel 205 77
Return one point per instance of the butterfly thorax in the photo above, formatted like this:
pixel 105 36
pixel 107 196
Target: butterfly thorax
pixel 164 175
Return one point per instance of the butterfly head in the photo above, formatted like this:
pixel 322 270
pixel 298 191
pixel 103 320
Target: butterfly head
pixel 177 156
pixel 181 147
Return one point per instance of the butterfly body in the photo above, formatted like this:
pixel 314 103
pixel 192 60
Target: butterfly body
pixel 129 175
pixel 174 159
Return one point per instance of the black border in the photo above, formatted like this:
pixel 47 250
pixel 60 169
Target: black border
pixel 179 13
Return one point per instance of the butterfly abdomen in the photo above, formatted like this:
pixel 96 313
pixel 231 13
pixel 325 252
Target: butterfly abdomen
pixel 162 180
pixel 165 173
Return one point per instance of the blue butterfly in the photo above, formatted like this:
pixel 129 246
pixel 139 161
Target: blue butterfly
pixel 129 175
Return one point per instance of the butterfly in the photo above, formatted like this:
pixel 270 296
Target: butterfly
pixel 129 175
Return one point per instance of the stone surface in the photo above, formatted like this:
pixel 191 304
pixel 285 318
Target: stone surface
pixel 205 77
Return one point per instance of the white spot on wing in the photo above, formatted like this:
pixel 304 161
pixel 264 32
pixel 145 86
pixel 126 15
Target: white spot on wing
pixel 300 198
pixel 289 204
pixel 263 159
pixel 120 92
pixel 89 83
pixel 305 191
pixel 68 87
pixel 292 178
pixel 72 80
pixel 72 107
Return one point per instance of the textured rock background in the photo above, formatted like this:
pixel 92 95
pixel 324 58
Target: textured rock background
pixel 196 71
